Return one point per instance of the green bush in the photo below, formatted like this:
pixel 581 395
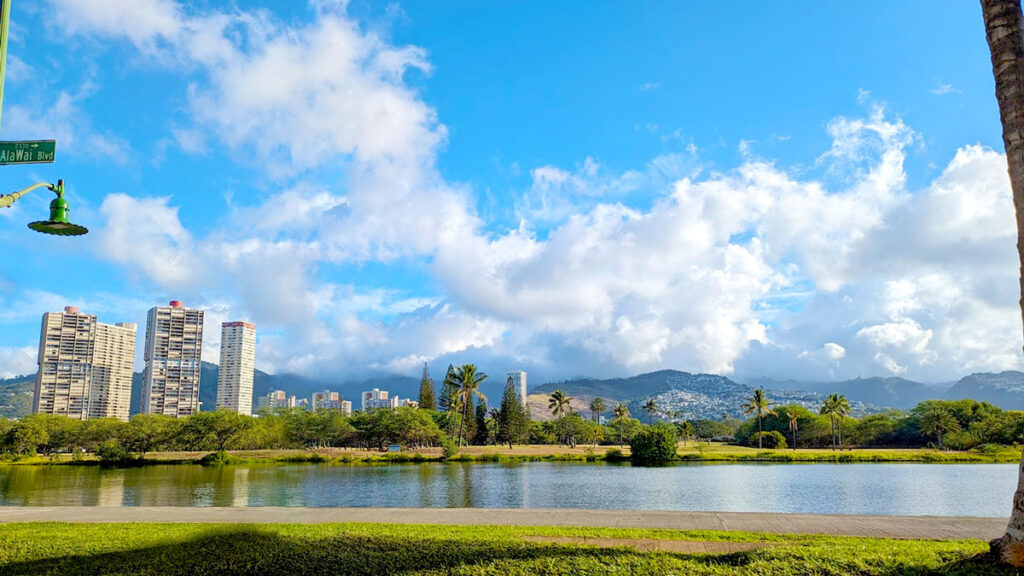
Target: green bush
pixel 654 444
pixel 448 448
pixel 614 455
pixel 112 452
pixel 216 459
pixel 771 439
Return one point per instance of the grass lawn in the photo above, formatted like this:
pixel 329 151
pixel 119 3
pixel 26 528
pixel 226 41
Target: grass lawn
pixel 376 549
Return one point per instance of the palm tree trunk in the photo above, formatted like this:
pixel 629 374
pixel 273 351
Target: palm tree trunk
pixel 759 438
pixel 1004 28
pixel 462 421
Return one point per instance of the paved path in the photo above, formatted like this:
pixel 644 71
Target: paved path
pixel 925 527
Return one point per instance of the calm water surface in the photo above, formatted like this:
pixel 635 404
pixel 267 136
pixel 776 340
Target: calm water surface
pixel 897 489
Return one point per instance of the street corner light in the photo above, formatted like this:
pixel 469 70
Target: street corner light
pixel 58 224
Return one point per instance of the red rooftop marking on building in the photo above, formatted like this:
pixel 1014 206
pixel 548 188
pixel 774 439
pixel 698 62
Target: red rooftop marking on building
pixel 71 309
pixel 177 304
pixel 240 323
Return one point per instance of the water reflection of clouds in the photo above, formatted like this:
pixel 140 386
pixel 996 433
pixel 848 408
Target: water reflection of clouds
pixel 902 489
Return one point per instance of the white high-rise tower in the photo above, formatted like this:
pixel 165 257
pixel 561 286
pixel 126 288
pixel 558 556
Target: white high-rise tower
pixel 174 346
pixel 519 383
pixel 237 364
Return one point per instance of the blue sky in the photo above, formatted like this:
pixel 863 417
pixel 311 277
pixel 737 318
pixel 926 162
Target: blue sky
pixel 806 190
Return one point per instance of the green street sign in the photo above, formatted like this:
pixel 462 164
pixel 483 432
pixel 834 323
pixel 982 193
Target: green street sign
pixel 28 152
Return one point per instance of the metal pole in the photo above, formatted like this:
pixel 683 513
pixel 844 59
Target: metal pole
pixel 5 18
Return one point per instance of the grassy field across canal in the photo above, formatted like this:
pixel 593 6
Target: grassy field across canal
pixel 377 549
pixel 689 452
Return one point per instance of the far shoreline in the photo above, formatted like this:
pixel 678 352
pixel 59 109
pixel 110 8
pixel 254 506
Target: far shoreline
pixel 690 453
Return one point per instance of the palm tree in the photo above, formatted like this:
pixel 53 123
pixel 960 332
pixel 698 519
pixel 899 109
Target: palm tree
pixel 758 403
pixel 597 407
pixel 794 425
pixel 651 407
pixel 621 413
pixel 559 404
pixel 469 381
pixel 937 421
pixel 836 407
pixel 686 430
pixel 1004 28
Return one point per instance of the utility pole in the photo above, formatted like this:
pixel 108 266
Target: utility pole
pixel 5 19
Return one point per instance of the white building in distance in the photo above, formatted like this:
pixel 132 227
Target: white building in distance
pixel 85 366
pixel 519 383
pixel 328 400
pixel 377 398
pixel 237 365
pixel 174 348
pixel 276 399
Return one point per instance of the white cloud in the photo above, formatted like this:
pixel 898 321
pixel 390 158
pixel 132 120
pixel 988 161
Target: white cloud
pixel 145 235
pixel 17 360
pixel 945 88
pixel 710 268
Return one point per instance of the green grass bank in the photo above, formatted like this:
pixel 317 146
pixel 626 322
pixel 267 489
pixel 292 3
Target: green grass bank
pixel 547 453
pixel 376 549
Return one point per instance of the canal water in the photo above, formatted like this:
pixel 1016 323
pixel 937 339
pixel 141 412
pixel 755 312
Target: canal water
pixel 886 489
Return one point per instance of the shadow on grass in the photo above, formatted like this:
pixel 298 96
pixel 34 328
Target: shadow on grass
pixel 251 551
pixel 977 565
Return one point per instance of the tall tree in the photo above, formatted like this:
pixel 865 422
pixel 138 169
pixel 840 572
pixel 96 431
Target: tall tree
pixel 621 413
pixel 758 404
pixel 794 425
pixel 685 430
pixel 938 421
pixel 651 407
pixel 836 407
pixel 559 404
pixel 597 407
pixel 481 436
pixel 1004 29
pixel 449 388
pixel 513 421
pixel 469 381
pixel 427 400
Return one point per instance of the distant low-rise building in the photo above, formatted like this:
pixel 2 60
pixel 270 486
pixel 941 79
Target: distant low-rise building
pixel 328 400
pixel 275 400
pixel 377 398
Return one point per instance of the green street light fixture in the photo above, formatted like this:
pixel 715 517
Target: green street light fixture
pixel 58 224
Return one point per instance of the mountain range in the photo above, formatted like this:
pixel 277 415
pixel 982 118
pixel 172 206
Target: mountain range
pixel 693 396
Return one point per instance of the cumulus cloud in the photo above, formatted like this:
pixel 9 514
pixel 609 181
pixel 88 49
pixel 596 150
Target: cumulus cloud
pixel 841 270
pixel 17 360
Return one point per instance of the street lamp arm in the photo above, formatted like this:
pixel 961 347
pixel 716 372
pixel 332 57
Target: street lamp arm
pixel 7 199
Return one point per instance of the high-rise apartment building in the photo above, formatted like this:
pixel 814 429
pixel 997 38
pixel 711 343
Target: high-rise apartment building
pixel 85 366
pixel 519 383
pixel 113 366
pixel 237 364
pixel 174 345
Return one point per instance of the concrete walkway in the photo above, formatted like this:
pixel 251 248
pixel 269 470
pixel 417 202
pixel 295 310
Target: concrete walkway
pixel 916 527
